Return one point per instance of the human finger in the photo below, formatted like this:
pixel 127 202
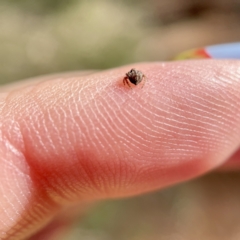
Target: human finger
pixel 83 138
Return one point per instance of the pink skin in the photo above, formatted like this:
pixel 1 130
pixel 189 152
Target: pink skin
pixel 74 139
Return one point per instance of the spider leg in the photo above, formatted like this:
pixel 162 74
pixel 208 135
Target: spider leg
pixel 125 80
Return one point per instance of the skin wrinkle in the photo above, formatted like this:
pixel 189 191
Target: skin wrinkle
pixel 9 216
pixel 69 135
pixel 14 208
pixel 27 128
pixel 88 172
pixel 221 86
pixel 78 124
pixel 217 105
pixel 14 167
pixel 31 115
pixel 137 142
pixel 87 122
pixel 176 109
pixel 55 130
pixel 226 75
pixel 86 95
pixel 65 124
pixel 12 194
pixel 198 102
pixel 98 181
pixel 130 118
pixel 193 113
pixel 184 134
pixel 170 125
pixel 109 133
pixel 64 127
pixel 218 116
pixel 110 119
pixel 93 145
pixel 206 123
pixel 45 207
pixel 16 228
pixel 99 169
pixel 115 122
pixel 104 134
pixel 217 100
pixel 149 135
pixel 62 194
pixel 132 142
pixel 173 120
pixel 46 130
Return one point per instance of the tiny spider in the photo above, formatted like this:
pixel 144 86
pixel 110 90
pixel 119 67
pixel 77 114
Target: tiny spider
pixel 135 77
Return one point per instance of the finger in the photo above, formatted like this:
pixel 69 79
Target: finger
pixel 84 138
pixel 59 227
pixel 233 163
pixel 221 51
pixel 34 81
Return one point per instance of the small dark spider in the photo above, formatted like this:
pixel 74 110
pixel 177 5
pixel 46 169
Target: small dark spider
pixel 135 77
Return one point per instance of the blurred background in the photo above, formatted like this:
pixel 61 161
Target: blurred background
pixel 49 36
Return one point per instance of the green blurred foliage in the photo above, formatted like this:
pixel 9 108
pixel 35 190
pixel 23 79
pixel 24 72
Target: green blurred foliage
pixel 47 36
pixel 43 6
pixel 41 37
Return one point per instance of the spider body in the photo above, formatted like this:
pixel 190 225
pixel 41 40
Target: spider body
pixel 134 76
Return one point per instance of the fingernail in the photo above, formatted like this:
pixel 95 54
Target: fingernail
pixel 221 51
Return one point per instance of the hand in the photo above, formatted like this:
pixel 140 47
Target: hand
pixel 73 139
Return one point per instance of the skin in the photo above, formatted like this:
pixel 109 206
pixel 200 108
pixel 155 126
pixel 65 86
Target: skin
pixel 67 140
